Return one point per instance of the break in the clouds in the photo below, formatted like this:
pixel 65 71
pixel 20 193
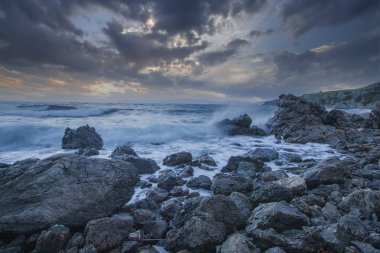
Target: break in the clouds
pixel 193 51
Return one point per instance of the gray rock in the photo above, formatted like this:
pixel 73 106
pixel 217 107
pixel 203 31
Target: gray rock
pixel 124 150
pixel 330 240
pixel 234 161
pixel 201 181
pixel 226 184
pixel 88 249
pixel 275 250
pixel 238 243
pixel 271 193
pixel 40 196
pixel 273 175
pixel 278 215
pixel 293 158
pixel 156 229
pixel 366 201
pixel 167 180
pixel 248 169
pixel 262 154
pixel 82 137
pixel 178 159
pixel 338 119
pixel 87 151
pixel 53 240
pixel 158 195
pixel 240 126
pixel 142 216
pixel 328 171
pixel 170 207
pixel 178 191
pixel 350 228
pixel 143 165
pixel 373 120
pixel 208 160
pixel 187 171
pixel 244 204
pixel 296 184
pixel 107 233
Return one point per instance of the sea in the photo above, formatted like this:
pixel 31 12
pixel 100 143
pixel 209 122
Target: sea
pixel 35 130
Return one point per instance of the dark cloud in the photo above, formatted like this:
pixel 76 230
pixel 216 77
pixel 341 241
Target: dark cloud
pixel 302 15
pixel 255 33
pixel 217 57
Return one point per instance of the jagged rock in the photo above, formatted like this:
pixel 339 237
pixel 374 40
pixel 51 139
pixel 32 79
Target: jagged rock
pixel 208 160
pixel 330 241
pixel 277 215
pixel 124 150
pixel 338 119
pixel 240 126
pixel 328 171
pixel 202 224
pixel 271 193
pixel 53 240
pixel 82 137
pixel 178 159
pixel 77 240
pixel 262 154
pixel 170 207
pixel 167 180
pixel 158 195
pixel 234 161
pixel 248 169
pixel 178 191
pixel 350 228
pixel 296 184
pixel 366 201
pixel 52 190
pixel 201 181
pixel 373 120
pixel 275 250
pixel 238 243
pixel 226 184
pixel 187 171
pixel 273 175
pixel 245 205
pixel 107 233
pixel 143 165
pixel 129 247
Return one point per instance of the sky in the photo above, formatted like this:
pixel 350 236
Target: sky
pixel 201 51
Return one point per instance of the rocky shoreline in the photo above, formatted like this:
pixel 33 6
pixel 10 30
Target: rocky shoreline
pixel 72 203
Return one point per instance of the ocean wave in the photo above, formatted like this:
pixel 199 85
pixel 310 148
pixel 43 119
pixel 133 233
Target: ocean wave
pixel 59 107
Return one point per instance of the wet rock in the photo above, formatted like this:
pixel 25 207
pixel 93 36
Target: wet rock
pixel 208 160
pixel 158 195
pixel 273 175
pixel 82 137
pixel 167 180
pixel 366 201
pixel 373 120
pixel 331 213
pixel 262 154
pixel 144 184
pixel 87 152
pixel 143 165
pixel 365 247
pixel 88 249
pixel 240 126
pixel 178 159
pixel 198 182
pixel 226 184
pixel 293 158
pixel 328 171
pixel 146 203
pixel 156 229
pixel 187 171
pixel 142 216
pixel 296 184
pixel 271 193
pixel 170 207
pixel 107 233
pixel 53 240
pixel 234 161
pixel 370 172
pixel 278 215
pixel 275 250
pixel 124 150
pixel 373 155
pixel 40 196
pixel 238 243
pixel 152 179
pixel 329 239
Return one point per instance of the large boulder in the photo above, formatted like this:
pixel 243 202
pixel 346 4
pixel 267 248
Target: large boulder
pixel 328 171
pixel 202 224
pixel 234 162
pixel 240 126
pixel 64 189
pixel 178 159
pixel 82 137
pixel 143 165
pixel 277 215
pixel 300 121
pixel 122 151
pixel 107 233
pixel 271 193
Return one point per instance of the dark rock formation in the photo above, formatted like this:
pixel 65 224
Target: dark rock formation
pixel 53 240
pixel 178 159
pixel 122 151
pixel 82 137
pixel 240 126
pixel 52 190
pixel 226 184
pixel 201 181
pixel 262 154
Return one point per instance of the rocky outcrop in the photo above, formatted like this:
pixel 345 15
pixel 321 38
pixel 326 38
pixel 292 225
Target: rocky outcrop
pixel 262 154
pixel 64 189
pixel 373 120
pixel 240 125
pixel 82 137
